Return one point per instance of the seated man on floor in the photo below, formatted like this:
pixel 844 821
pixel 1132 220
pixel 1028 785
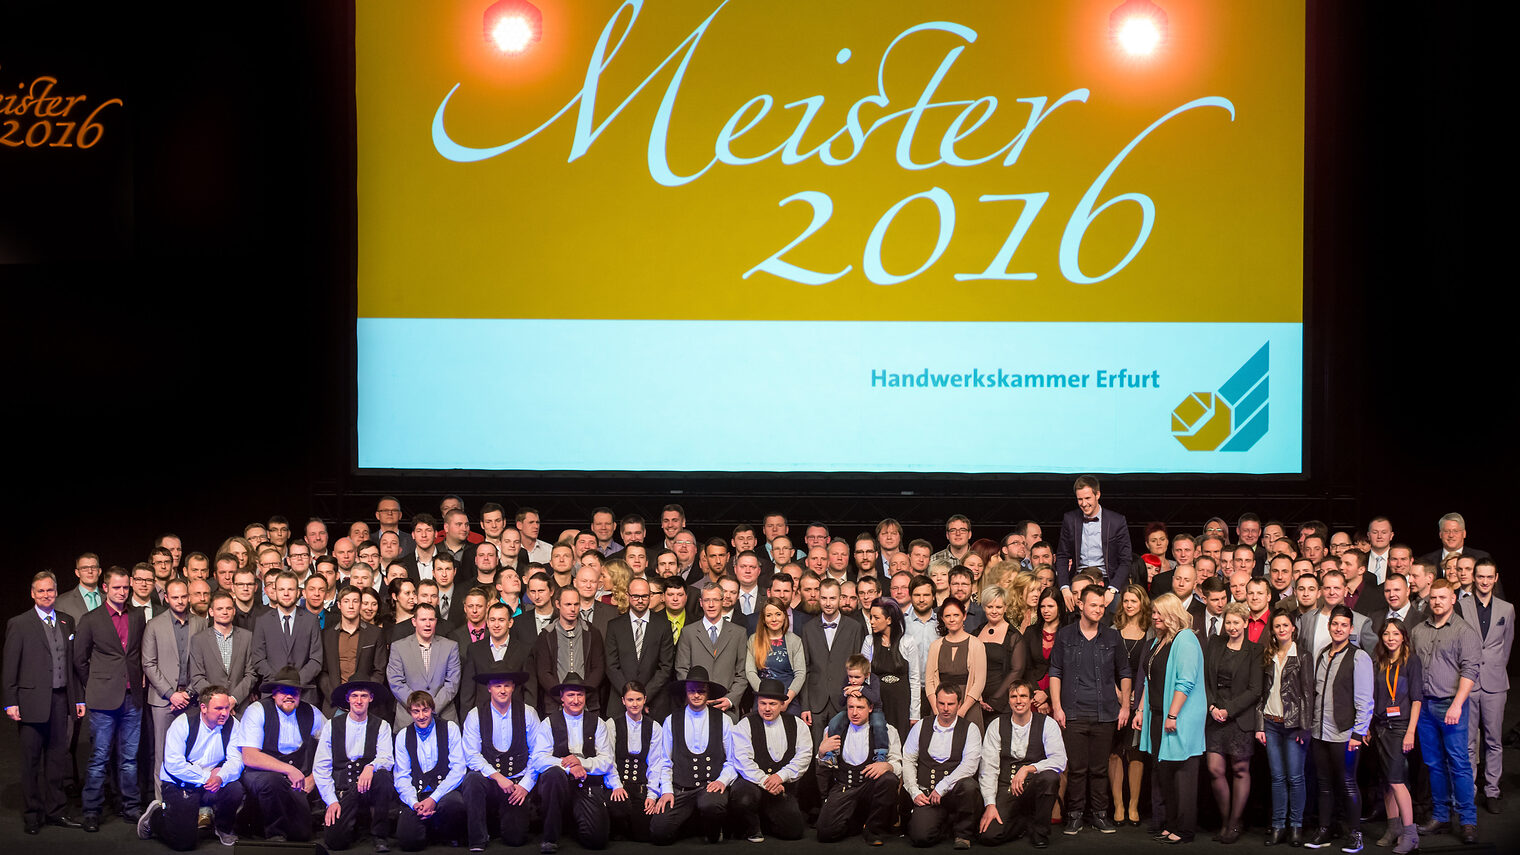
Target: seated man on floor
pixel 497 736
pixel 771 752
pixel 353 767
pixel 278 740
pixel 863 794
pixel 1022 761
pixel 696 740
pixel 572 754
pixel 198 771
pixel 429 769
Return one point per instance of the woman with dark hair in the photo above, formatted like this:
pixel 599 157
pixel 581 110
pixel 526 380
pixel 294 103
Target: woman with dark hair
pixel 369 607
pixel 892 654
pixel 1153 560
pixel 401 595
pixel 1039 640
pixel 957 658
pixel 1127 764
pixel 1397 693
pixel 1232 679
pixel 1287 694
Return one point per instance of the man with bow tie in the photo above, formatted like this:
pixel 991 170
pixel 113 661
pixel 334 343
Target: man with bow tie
pixel 1092 536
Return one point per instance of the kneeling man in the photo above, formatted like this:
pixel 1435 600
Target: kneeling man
pixel 1022 761
pixel 940 757
pixel 771 751
pixel 198 771
pixel 572 755
pixel 353 767
pixel 696 739
pixel 429 769
pixel 863 795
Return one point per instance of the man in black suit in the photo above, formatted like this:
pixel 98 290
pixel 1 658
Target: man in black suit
pixel 501 650
pixel 108 662
pixel 1092 536
pixel 826 643
pixel 352 650
pixel 286 636
pixel 640 648
pixel 1452 530
pixel 595 613
pixel 40 692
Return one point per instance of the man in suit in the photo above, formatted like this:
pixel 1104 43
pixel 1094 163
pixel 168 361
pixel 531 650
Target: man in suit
pixel 418 561
pixel 500 650
pixel 166 664
pixel 826 643
pixel 718 647
pixel 108 661
pixel 423 662
pixel 209 667
pixel 352 650
pixel 594 612
pixel 1313 625
pixel 87 595
pixel 286 636
pixel 40 692
pixel 1092 536
pixel 1363 592
pixel 1452 530
pixel 640 649
pixel 568 646
pixel 1494 619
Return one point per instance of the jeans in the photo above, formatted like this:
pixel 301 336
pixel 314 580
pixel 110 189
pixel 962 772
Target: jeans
pixel 841 722
pixel 1444 749
pixel 1285 757
pixel 123 724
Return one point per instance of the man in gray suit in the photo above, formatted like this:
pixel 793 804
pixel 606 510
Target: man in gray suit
pixel 166 665
pixel 287 636
pixel 719 647
pixel 424 662
pixel 87 595
pixel 210 667
pixel 826 643
pixel 1494 619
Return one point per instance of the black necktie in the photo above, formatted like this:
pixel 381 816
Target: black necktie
pixel 287 625
pixel 1213 627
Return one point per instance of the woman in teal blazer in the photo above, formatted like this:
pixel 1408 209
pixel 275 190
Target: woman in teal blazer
pixel 1172 713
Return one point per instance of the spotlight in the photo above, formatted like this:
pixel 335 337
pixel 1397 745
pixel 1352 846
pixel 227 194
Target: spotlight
pixel 1138 27
pixel 512 25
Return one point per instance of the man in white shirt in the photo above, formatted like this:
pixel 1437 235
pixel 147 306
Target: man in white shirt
pixel 429 769
pixel 940 757
pixel 198 771
pixel 700 769
pixel 353 767
pixel 572 754
pixel 764 799
pixel 863 795
pixel 496 746
pixel 1022 761
pixel 278 737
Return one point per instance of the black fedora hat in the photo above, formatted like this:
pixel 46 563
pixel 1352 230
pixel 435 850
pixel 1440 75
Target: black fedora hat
pixel 289 677
pixel 698 674
pixel 573 681
pixel 340 694
pixel 771 688
pixel 518 678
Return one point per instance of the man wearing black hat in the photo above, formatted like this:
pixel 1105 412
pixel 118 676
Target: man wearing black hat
pixel 429 769
pixel 199 770
pixel 353 767
pixel 496 747
pixel 764 786
pixel 639 764
pixel 278 739
pixel 940 757
pixel 863 794
pixel 695 740
pixel 572 754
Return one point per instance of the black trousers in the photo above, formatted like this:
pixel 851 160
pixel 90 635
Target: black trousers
pixel 1177 781
pixel 753 810
pixel 447 823
pixel 627 818
pixel 710 808
pixel 486 798
pixel 176 825
pixel 560 794
pixel 45 759
pixel 1336 766
pixel 957 810
pixel 1026 813
pixel 869 806
pixel 286 811
pixel 1088 744
pixel 378 802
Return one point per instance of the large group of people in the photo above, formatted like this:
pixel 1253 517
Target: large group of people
pixel 439 682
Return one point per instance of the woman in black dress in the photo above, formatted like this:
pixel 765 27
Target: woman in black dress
pixel 1005 652
pixel 891 653
pixel 1232 676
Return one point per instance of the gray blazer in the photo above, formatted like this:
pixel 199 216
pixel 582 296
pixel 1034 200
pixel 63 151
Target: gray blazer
pixel 1493 673
pixel 793 652
pixel 302 649
pixel 206 664
pixel 72 604
pixel 161 656
pixel 724 664
pixel 404 673
pixel 1361 631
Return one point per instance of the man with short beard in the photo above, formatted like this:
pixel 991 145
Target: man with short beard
pixel 764 798
pixel 940 757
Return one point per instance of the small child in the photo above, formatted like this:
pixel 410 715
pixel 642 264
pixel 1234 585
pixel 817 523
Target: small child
pixel 857 671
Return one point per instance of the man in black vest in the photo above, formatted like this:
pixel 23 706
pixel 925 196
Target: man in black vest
pixel 41 693
pixel 353 767
pixel 278 738
pixel 429 768
pixel 768 771
pixel 863 794
pixel 696 739
pixel 199 771
pixel 572 754
pixel 496 748
pixel 940 758
pixel 639 763
pixel 1022 760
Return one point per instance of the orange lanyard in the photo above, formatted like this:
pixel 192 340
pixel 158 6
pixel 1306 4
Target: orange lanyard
pixel 1391 684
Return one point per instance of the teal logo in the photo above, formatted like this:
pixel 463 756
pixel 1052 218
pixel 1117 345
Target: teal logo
pixel 1232 419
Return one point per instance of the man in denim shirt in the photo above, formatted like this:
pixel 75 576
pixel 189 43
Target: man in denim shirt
pixel 1089 699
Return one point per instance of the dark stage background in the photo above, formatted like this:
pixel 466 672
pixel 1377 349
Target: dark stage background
pixel 180 313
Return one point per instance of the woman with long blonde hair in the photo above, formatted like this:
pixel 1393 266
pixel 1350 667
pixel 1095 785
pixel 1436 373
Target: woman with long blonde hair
pixel 1172 715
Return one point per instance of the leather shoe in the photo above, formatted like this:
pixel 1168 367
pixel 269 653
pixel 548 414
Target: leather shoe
pixel 1436 826
pixel 1040 841
pixel 65 821
pixel 32 825
pixel 1469 834
pixel 91 823
pixel 1495 804
pixel 1275 836
pixel 1295 837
